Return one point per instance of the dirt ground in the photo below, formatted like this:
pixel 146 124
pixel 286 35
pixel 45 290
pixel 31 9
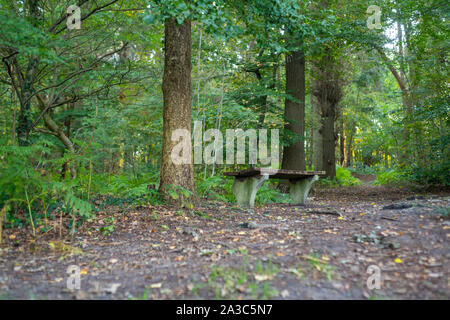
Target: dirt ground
pixel 327 249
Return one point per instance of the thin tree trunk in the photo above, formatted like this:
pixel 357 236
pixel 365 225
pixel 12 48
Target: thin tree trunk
pixel 341 141
pixel 13 99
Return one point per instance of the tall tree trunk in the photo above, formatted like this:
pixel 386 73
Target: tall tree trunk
pixel 311 123
pixel 317 135
pixel 328 139
pixel 177 108
pixel 348 149
pixel 24 119
pixel 294 112
pixel 13 100
pixel 341 140
pixel 327 89
pixel 67 123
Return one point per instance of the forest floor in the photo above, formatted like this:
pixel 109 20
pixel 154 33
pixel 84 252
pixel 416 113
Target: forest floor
pixel 319 251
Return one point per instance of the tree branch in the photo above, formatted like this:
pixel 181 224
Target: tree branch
pixel 388 62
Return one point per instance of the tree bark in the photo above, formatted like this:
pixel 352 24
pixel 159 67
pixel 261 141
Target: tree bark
pixel 341 141
pixel 348 149
pixel 328 139
pixel 317 135
pixel 294 112
pixel 177 112
pixel 327 89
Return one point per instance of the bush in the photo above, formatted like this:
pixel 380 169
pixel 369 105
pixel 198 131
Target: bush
pixel 35 193
pixel 129 189
pixel 216 188
pixel 269 194
pixel 392 177
pixel 438 174
pixel 345 178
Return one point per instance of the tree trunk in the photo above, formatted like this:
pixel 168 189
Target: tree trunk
pixel 67 123
pixel 328 139
pixel 327 89
pixel 177 108
pixel 310 154
pixel 294 112
pixel 317 135
pixel 348 149
pixel 341 141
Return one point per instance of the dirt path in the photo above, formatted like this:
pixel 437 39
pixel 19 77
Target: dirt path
pixel 319 251
pixel 366 179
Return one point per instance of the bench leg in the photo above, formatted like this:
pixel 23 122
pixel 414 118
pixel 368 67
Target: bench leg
pixel 299 190
pixel 245 190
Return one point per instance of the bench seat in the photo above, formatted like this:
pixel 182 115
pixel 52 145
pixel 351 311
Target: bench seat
pixel 247 183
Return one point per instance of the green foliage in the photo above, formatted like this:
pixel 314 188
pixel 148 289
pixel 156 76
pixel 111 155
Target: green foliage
pixel 361 168
pixel 229 283
pixel 343 178
pixel 392 177
pixel 269 193
pixel 444 212
pixel 108 229
pixel 215 188
pixel 34 190
pixel 133 190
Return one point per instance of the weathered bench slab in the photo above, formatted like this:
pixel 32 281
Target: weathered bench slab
pixel 247 183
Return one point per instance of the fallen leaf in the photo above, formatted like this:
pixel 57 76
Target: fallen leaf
pixel 284 293
pixel 325 257
pixel 262 277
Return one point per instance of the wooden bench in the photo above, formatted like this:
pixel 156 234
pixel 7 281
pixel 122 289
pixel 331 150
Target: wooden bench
pixel 247 183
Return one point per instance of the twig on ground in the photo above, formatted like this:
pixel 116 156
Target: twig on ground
pixel 333 213
pixel 313 259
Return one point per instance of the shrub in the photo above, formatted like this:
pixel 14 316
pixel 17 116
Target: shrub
pixel 391 177
pixel 345 178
